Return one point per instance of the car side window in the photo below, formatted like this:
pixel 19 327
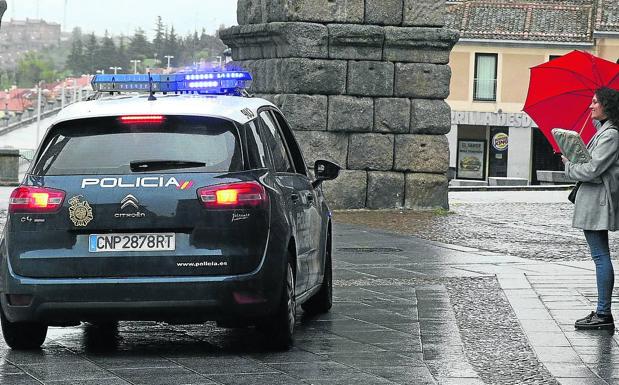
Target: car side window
pixel 293 147
pixel 256 151
pixel 281 160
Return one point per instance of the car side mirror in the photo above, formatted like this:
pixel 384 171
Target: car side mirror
pixel 324 170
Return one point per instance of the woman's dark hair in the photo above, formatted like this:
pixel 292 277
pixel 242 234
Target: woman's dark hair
pixel 609 99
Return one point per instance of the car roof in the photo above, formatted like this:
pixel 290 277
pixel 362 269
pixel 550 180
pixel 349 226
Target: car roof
pixel 236 108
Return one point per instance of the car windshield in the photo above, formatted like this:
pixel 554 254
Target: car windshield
pixel 106 146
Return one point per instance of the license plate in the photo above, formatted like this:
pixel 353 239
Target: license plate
pixel 131 242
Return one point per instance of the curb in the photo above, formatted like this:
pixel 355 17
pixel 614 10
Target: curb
pixel 511 188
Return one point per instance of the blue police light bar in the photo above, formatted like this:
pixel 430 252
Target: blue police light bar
pixel 213 83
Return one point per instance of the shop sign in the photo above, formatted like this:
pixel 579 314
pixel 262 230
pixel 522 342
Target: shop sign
pixel 500 141
pixel 471 159
pixel 476 118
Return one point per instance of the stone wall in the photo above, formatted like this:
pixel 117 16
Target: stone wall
pixel 363 83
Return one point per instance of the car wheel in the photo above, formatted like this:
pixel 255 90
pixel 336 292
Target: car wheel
pixel 106 328
pixel 322 301
pixel 280 327
pixel 23 335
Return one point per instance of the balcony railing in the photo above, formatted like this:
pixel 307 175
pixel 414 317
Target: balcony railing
pixel 484 90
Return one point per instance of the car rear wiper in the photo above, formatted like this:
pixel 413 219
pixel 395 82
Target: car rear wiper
pixel 160 164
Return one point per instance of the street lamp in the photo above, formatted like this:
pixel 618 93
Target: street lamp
pixel 115 69
pixel 102 72
pixel 219 58
pixel 169 57
pixel 135 65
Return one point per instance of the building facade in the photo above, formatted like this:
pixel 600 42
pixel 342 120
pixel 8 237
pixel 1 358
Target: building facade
pixel 500 41
pixel 20 36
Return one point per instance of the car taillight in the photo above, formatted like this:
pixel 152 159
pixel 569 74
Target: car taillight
pixel 28 199
pixel 233 195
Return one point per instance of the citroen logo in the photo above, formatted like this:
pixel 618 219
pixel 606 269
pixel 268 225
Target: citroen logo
pixel 129 200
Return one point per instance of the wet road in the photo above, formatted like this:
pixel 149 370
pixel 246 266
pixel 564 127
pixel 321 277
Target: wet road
pixel 406 311
pixel 533 225
pixel 396 320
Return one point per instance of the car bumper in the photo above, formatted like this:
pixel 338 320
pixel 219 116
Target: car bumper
pixel 173 299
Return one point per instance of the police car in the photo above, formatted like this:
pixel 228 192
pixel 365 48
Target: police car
pixel 172 198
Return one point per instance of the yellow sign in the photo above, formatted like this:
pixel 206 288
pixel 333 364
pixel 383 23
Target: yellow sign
pixel 500 141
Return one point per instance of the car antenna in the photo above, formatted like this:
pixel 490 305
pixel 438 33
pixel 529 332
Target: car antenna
pixel 151 97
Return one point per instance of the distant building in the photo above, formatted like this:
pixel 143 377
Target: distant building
pixel 500 41
pixel 19 36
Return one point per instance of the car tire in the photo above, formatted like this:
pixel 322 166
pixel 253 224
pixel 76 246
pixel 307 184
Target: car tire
pixel 322 301
pixel 105 328
pixel 23 335
pixel 279 328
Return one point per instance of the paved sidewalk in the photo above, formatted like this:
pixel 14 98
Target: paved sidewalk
pixel 407 311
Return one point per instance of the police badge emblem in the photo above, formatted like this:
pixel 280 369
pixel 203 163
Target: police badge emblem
pixel 80 211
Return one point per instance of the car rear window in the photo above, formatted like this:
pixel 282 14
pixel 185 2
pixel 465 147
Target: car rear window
pixel 107 146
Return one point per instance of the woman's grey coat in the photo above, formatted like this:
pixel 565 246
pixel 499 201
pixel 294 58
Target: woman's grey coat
pixel 597 200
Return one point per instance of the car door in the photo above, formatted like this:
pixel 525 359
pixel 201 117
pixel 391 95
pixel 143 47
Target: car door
pixel 313 222
pixel 291 187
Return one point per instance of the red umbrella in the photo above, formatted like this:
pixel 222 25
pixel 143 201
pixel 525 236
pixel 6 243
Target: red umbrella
pixel 560 92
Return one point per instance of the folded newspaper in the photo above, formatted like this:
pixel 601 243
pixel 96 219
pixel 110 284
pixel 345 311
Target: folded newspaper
pixel 571 145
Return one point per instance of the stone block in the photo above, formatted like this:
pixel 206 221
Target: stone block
pixel 383 12
pixel 385 190
pixel 426 191
pixel 467 183
pixel 348 191
pixel 553 177
pixel 307 76
pixel 304 112
pixel 430 116
pixel 318 11
pixel 424 13
pixel 419 80
pixel 350 113
pixel 316 145
pixel 356 42
pixel 267 97
pixel 277 40
pixel 507 181
pixel 421 153
pixel 392 115
pixel 370 78
pixel 370 152
pixel 251 11
pixel 9 167
pixel 297 76
pixel 419 45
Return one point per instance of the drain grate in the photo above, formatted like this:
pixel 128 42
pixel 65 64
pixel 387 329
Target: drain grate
pixel 369 249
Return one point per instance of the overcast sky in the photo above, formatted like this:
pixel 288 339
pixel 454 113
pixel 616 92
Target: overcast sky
pixel 124 16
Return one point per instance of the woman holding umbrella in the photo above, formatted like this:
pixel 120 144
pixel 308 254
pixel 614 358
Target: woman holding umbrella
pixel 596 208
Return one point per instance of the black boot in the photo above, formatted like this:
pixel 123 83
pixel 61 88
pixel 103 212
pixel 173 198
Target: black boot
pixel 595 321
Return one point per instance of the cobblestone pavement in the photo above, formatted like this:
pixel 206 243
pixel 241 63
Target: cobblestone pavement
pixel 406 311
pixel 540 231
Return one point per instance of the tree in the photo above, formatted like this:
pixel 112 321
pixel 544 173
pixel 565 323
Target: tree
pixel 91 53
pixel 32 68
pixel 123 56
pixel 108 54
pixel 159 40
pixel 139 46
pixel 172 45
pixel 76 60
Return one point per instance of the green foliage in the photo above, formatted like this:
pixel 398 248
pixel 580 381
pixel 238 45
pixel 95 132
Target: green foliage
pixel 442 212
pixel 34 67
pixel 89 54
